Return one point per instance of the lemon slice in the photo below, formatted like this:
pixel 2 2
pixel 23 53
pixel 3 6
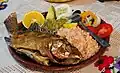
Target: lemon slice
pixel 33 17
pixel 70 25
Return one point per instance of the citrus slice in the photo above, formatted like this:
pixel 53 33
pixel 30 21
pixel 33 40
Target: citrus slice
pixel 33 17
pixel 51 13
pixel 70 25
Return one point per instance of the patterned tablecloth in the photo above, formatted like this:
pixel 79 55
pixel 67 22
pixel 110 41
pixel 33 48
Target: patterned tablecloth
pixel 109 11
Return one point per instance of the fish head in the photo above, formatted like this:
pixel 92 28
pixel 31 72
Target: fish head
pixel 63 49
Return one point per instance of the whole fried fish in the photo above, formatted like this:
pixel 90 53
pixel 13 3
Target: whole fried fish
pixel 53 47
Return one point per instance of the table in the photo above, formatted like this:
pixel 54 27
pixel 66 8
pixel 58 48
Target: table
pixel 108 11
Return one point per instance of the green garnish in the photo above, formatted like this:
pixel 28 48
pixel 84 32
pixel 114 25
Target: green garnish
pixel 54 25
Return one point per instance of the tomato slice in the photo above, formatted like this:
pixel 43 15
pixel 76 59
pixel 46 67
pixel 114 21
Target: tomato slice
pixel 104 30
pixel 93 29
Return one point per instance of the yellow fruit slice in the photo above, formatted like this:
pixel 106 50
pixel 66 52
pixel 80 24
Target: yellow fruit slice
pixel 33 17
pixel 70 25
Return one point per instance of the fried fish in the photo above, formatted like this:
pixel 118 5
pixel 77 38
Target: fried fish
pixel 53 47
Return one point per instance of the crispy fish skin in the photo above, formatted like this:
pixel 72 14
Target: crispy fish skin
pixel 44 43
pixel 31 41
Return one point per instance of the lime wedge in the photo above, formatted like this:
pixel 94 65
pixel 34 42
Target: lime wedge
pixel 51 13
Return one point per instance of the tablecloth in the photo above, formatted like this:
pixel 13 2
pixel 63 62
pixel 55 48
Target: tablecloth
pixel 108 11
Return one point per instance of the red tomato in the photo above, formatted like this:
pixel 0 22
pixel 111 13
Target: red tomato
pixel 104 30
pixel 94 30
